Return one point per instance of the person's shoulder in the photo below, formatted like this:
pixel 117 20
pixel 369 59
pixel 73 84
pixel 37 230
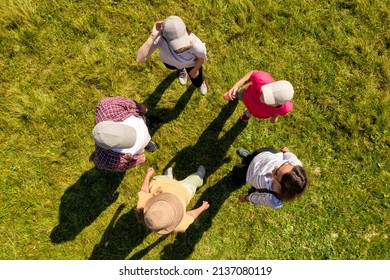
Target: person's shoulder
pixel 195 38
pixel 287 106
pixel 197 43
pixel 263 75
pixel 159 41
pixel 185 223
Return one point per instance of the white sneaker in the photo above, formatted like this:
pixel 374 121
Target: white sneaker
pixel 203 88
pixel 201 171
pixel 183 76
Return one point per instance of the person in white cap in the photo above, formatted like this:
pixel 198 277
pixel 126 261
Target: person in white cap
pixel 179 49
pixel 263 97
pixel 162 201
pixel 120 134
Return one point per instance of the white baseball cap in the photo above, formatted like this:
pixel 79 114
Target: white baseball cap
pixel 111 135
pixel 175 32
pixel 277 93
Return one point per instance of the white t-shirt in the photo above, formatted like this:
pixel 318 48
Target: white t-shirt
pixel 182 60
pixel 259 175
pixel 142 138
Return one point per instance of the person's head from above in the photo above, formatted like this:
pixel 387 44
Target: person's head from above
pixel 289 181
pixel 114 135
pixel 176 33
pixel 163 213
pixel 277 93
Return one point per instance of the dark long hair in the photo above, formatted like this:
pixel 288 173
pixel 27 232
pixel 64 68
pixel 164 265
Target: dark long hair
pixel 293 183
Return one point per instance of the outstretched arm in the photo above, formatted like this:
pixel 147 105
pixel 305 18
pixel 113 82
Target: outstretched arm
pixel 147 49
pixel 145 184
pixel 196 212
pixel 240 83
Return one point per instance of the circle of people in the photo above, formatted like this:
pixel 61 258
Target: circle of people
pixel 121 135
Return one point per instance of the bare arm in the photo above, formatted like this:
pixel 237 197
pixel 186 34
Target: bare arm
pixel 240 83
pixel 145 184
pixel 196 212
pixel 147 49
pixel 195 71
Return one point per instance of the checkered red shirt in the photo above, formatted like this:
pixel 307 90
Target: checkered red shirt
pixel 117 109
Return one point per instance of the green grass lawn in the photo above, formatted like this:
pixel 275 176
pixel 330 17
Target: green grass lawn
pixel 59 58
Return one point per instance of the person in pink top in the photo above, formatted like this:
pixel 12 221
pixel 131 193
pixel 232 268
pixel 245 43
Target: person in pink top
pixel 263 97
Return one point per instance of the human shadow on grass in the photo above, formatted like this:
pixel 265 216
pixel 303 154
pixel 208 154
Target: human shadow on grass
pixel 210 150
pixel 121 237
pixel 125 234
pixel 184 244
pixel 84 201
pixel 159 116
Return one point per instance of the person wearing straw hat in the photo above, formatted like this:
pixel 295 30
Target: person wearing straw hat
pixel 120 134
pixel 162 201
pixel 263 97
pixel 180 50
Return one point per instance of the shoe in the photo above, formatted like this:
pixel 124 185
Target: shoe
pixel 203 88
pixel 245 117
pixel 183 76
pixel 228 179
pixel 243 153
pixel 201 171
pixel 169 173
pixel 151 147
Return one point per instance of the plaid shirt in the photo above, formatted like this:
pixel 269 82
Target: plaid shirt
pixel 117 109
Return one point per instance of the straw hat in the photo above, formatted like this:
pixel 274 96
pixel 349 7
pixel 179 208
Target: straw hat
pixel 163 213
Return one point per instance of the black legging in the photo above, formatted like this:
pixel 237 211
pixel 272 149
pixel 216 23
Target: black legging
pixel 198 81
pixel 240 170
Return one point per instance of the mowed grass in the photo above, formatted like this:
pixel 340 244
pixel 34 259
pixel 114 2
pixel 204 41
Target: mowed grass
pixel 59 58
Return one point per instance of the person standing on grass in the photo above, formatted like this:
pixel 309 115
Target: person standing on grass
pixel 120 134
pixel 179 49
pixel 275 177
pixel 162 202
pixel 263 97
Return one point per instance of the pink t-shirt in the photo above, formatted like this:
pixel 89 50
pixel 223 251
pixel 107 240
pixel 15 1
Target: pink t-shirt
pixel 252 95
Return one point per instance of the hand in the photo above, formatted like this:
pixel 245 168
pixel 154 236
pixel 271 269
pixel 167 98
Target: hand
pixel 144 108
pixel 196 212
pixel 242 198
pixel 194 73
pixel 150 171
pixel 205 205
pixel 232 92
pixel 285 150
pixel 157 28
pixel 143 158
